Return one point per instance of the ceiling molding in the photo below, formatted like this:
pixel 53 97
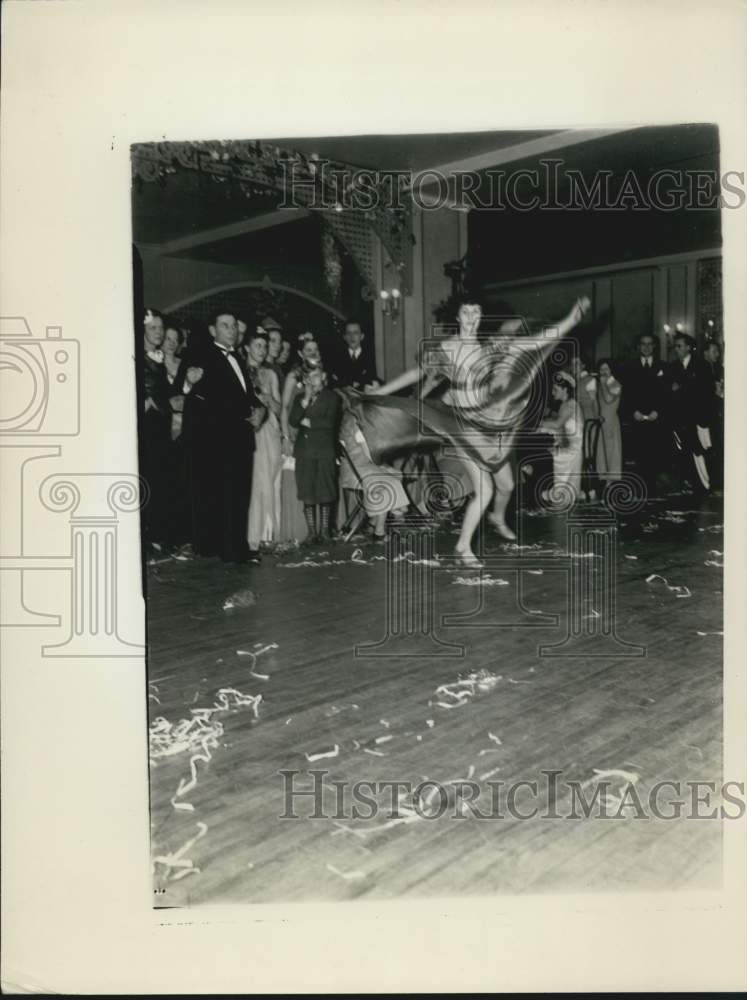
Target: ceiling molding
pixel 207 236
pixel 233 285
pixel 510 154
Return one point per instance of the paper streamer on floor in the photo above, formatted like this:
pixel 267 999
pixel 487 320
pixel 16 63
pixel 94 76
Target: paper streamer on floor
pixel 177 860
pixel 677 590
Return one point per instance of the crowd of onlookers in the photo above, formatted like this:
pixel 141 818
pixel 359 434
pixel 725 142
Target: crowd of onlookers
pixel 246 444
pixel 240 435
pixel 662 419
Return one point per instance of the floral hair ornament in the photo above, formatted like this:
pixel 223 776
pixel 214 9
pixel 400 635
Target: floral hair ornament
pixel 149 317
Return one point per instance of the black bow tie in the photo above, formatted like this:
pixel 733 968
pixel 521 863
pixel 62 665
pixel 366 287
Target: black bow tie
pixel 228 351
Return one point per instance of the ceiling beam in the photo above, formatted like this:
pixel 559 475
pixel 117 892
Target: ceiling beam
pixel 510 154
pixel 227 232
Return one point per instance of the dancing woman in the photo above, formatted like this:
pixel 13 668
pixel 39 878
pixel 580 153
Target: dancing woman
pixel 489 389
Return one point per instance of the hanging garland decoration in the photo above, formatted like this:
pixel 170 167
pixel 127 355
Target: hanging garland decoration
pixel 332 263
pixel 328 187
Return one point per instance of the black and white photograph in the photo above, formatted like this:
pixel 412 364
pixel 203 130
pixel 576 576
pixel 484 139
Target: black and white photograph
pixel 432 433
pixel 372 490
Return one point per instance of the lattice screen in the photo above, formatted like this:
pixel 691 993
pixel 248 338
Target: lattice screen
pixel 709 301
pixel 354 232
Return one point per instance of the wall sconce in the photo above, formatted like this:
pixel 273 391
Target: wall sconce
pixel 390 302
pixel 669 333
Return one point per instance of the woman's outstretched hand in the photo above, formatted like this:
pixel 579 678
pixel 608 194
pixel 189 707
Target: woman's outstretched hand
pixel 580 309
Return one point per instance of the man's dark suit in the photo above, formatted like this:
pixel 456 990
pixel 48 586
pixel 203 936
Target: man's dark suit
pixel 690 407
pixel 645 389
pixel 356 372
pixel 220 445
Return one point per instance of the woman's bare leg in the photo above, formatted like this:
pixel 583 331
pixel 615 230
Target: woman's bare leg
pixel 482 485
pixel 504 487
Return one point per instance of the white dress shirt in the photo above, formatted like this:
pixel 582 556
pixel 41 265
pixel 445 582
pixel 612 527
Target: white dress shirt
pixel 230 355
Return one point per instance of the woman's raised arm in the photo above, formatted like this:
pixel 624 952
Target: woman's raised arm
pixel 410 377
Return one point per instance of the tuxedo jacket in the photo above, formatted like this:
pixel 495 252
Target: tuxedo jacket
pixel 356 372
pixel 217 407
pixel 690 394
pixel 645 388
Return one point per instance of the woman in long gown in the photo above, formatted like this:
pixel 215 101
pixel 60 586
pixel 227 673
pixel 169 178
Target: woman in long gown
pixel 567 427
pixel 490 383
pixel 609 445
pixel 264 516
pixel 292 521
pixel 155 433
pixel 176 471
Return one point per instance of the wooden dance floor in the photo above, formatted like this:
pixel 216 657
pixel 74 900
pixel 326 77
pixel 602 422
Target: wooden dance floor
pixel 658 717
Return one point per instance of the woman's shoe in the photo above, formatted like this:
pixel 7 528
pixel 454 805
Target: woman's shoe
pixel 468 558
pixel 501 527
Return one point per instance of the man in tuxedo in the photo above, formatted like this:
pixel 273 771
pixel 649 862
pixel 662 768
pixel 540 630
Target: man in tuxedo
pixel 714 370
pixel 354 368
pixel 690 389
pixel 221 413
pixel 645 387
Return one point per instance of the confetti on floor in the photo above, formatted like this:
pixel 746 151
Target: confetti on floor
pixel 165 739
pixel 464 688
pixel 348 876
pixel 480 581
pixel 321 754
pixel 177 860
pixel 677 590
pixel 240 599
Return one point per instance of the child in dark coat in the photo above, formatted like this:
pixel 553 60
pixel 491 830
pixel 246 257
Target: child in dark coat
pixel 316 414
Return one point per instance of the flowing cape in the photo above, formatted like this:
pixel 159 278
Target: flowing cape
pixel 394 427
pixel 493 391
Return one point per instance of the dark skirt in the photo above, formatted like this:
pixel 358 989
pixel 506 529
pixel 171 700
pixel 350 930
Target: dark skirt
pixel 316 477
